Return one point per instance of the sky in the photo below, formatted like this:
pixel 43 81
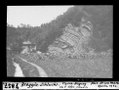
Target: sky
pixel 33 15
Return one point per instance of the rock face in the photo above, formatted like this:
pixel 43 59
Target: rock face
pixel 70 43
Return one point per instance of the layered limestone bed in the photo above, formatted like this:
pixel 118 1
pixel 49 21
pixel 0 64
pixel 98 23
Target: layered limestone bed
pixel 67 57
pixel 70 43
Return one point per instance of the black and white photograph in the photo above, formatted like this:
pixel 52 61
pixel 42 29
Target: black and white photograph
pixel 60 41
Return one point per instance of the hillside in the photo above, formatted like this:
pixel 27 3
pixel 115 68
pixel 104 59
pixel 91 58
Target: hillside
pixel 102 23
pixel 100 17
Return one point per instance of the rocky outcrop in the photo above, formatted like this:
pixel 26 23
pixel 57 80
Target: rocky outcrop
pixel 70 43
